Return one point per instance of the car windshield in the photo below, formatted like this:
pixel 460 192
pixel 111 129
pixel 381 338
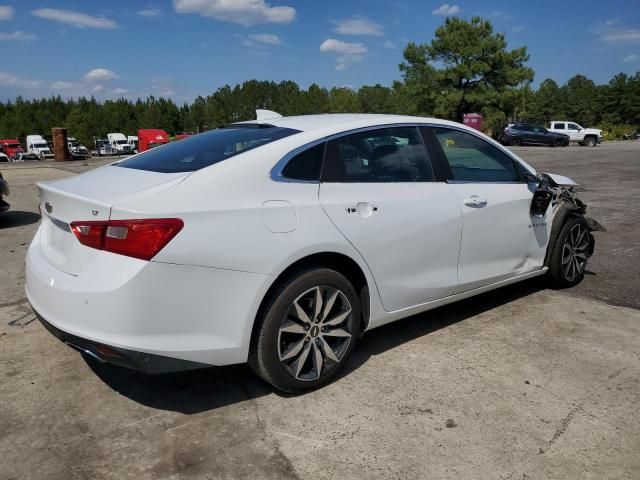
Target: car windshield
pixel 207 148
pixel 40 145
pixel 121 142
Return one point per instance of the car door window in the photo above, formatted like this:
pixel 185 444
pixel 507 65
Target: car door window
pixel 573 126
pixel 474 160
pixel 383 155
pixel 559 126
pixel 306 165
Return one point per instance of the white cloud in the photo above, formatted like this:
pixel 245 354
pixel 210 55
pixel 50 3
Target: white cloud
pixel 348 53
pixel 120 91
pixel 389 44
pixel 97 88
pixel 338 46
pixel 17 36
pixel 10 80
pixel 358 26
pixel 266 38
pixel 631 58
pixel 100 75
pixel 612 32
pixel 150 12
pixel 6 12
pixel 445 10
pixel 243 12
pixel 61 85
pixel 75 19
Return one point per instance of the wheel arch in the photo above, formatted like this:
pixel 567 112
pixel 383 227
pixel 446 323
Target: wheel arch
pixel 339 262
pixel 565 211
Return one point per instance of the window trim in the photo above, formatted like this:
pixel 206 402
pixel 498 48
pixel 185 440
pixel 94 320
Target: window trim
pixel 276 172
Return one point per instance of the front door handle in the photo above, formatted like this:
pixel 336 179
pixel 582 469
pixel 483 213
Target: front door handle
pixel 474 201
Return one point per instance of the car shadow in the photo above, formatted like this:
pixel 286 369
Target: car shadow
pixel 16 218
pixel 211 388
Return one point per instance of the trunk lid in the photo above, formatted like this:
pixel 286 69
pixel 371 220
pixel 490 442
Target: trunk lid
pixel 89 196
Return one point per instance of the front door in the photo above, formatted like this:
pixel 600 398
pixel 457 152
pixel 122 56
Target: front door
pixel 378 189
pixel 500 239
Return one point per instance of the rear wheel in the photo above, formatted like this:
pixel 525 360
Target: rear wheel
pixel 570 254
pixel 306 331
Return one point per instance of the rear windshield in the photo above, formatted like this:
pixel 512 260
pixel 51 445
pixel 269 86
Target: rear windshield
pixel 205 149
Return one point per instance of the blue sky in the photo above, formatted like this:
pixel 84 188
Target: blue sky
pixel 184 48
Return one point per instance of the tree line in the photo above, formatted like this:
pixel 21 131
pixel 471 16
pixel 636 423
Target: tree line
pixel 466 68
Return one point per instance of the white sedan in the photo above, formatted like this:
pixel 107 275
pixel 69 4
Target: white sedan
pixel 279 241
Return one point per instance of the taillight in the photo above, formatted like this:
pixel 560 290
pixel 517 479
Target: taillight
pixel 141 239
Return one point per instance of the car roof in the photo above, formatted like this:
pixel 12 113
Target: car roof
pixel 344 121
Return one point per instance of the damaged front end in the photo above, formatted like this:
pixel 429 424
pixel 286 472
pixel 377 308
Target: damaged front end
pixel 559 192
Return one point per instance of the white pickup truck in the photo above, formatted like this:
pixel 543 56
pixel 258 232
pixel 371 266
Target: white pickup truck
pixel 584 136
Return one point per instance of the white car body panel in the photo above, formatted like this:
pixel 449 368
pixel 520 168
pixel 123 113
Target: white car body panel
pixel 488 253
pixel 411 240
pixel 197 299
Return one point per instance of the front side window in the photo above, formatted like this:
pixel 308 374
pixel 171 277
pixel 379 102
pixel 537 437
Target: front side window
pixel 383 155
pixel 305 165
pixel 573 126
pixel 205 149
pixel 474 160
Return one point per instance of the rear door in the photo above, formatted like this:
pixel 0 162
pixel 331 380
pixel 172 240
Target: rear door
pixel 378 188
pixel 499 238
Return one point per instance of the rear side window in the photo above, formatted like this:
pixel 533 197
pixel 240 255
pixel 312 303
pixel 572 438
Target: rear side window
pixel 474 160
pixel 305 165
pixel 205 149
pixel 378 156
pixel 559 126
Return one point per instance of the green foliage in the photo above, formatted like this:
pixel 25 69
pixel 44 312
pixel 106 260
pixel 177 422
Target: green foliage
pixel 466 68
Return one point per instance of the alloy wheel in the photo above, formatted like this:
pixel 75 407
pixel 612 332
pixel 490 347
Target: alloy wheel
pixel 574 252
pixel 315 333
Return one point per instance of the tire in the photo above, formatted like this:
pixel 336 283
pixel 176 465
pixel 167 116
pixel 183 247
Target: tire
pixel 297 346
pixel 589 141
pixel 570 254
pixel 557 142
pixel 515 141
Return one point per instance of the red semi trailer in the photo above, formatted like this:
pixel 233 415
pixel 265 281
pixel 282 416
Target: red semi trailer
pixel 151 137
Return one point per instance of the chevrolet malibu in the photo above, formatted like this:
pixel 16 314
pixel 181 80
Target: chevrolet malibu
pixel 279 241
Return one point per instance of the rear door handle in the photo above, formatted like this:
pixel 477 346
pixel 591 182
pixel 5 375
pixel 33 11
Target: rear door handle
pixel 365 209
pixel 474 201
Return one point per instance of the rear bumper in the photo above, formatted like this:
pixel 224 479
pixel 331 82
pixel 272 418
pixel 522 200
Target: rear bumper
pixel 141 361
pixel 181 312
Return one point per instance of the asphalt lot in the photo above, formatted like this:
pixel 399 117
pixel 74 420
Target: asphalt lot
pixel 519 383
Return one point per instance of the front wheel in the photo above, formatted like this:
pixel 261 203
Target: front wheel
pixel 570 254
pixel 306 331
pixel 558 142
pixel 589 142
pixel 515 141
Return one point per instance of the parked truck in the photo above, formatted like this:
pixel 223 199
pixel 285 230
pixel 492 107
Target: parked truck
pixel 133 141
pixel 37 145
pixel 11 148
pixel 589 137
pixel 119 143
pixel 76 149
pixel 151 137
